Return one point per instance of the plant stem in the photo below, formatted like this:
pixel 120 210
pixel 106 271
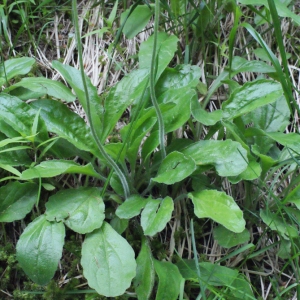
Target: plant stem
pixel 109 160
pixel 153 70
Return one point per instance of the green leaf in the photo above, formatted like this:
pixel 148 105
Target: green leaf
pixel 252 172
pixel 182 76
pixel 282 9
pixel 108 261
pixel 240 289
pixel 174 168
pixel 289 140
pixel 66 124
pixel 228 239
pixel 145 274
pixel 228 157
pixel 73 77
pixel 80 209
pixel 44 86
pixel 270 118
pixel 39 249
pixel 156 215
pixel 169 280
pixel 277 223
pixel 251 96
pixel 219 207
pixel 15 67
pixel 17 200
pixel 137 21
pixel 211 274
pixel 20 116
pixel 129 89
pixel 204 117
pixel 178 8
pixel 166 47
pixel 119 225
pixel 52 168
pixel 131 207
pixel 240 64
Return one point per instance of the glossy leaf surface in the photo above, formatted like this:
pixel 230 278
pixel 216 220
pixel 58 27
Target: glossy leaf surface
pixel 66 124
pixel 39 249
pixel 20 116
pixel 45 86
pixel 52 168
pixel 174 168
pixel 166 47
pixel 108 261
pixel 156 215
pixel 228 157
pixel 17 200
pixel 251 96
pixel 73 77
pixel 80 209
pixel 15 67
pixel 219 207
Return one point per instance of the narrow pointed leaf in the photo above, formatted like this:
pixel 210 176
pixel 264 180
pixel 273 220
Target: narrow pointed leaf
pixel 39 249
pixel 45 86
pixel 108 261
pixel 73 77
pixel 156 215
pixel 219 207
pixel 80 209
pixel 17 200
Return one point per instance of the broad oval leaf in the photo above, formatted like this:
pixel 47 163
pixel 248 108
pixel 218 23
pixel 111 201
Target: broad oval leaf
pixel 251 96
pixel 145 273
pixel 108 261
pixel 45 86
pixel 137 20
pixel 39 249
pixel 228 157
pixel 52 168
pixel 219 207
pixel 131 207
pixel 228 239
pixel 17 200
pixel 80 209
pixel 169 280
pixel 165 49
pixel 156 215
pixel 174 168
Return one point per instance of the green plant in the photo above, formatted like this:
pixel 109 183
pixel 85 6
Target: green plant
pixel 129 189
